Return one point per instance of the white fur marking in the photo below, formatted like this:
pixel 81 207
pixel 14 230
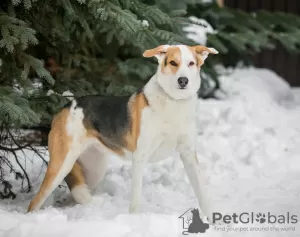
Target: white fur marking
pixel 159 56
pixel 186 54
pixel 205 54
pixel 213 50
pixel 94 161
pixel 74 125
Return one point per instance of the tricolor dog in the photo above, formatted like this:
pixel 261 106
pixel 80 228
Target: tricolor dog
pixel 144 127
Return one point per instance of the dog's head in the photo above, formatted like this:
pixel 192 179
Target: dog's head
pixel 179 68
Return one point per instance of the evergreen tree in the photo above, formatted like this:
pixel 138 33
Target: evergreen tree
pixel 86 47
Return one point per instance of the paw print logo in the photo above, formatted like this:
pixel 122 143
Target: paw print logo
pixel 260 218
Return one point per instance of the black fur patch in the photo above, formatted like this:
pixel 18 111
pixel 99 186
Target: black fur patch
pixel 108 115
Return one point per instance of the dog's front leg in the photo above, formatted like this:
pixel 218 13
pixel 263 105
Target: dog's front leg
pixel 139 162
pixel 187 150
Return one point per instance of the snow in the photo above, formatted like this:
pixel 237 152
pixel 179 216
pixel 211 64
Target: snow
pixel 296 94
pixel 198 31
pixel 145 23
pixel 68 94
pixel 50 92
pixel 248 145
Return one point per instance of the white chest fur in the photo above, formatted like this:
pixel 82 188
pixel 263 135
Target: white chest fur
pixel 164 121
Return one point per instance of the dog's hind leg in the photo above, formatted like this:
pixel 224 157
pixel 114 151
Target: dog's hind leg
pixel 64 151
pixel 77 185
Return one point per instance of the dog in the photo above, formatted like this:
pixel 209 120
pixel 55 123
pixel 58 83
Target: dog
pixel 144 127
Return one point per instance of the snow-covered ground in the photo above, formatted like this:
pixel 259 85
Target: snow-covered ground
pixel 248 144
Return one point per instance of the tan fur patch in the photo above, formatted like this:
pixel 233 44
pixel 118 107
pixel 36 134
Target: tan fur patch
pixel 203 51
pixel 75 177
pixel 199 60
pixel 58 146
pixel 136 106
pixel 152 52
pixel 173 54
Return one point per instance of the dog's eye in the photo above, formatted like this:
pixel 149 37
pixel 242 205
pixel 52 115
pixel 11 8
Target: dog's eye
pixel 173 63
pixel 191 64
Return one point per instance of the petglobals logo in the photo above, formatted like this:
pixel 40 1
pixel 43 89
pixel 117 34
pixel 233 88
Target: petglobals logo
pixel 192 223
pixel 255 218
pixel 238 222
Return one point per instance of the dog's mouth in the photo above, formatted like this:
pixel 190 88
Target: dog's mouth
pixel 181 87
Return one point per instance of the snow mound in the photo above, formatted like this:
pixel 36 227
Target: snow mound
pixel 198 31
pixel 264 83
pixel 248 144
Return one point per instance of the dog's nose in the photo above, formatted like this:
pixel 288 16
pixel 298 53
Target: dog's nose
pixel 183 81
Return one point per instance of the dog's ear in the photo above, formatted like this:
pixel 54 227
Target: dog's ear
pixel 157 52
pixel 204 51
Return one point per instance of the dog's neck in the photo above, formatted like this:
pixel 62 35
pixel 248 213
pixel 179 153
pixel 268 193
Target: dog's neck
pixel 159 100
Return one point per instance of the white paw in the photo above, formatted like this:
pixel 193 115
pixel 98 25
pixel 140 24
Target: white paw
pixel 206 214
pixel 81 194
pixel 133 209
